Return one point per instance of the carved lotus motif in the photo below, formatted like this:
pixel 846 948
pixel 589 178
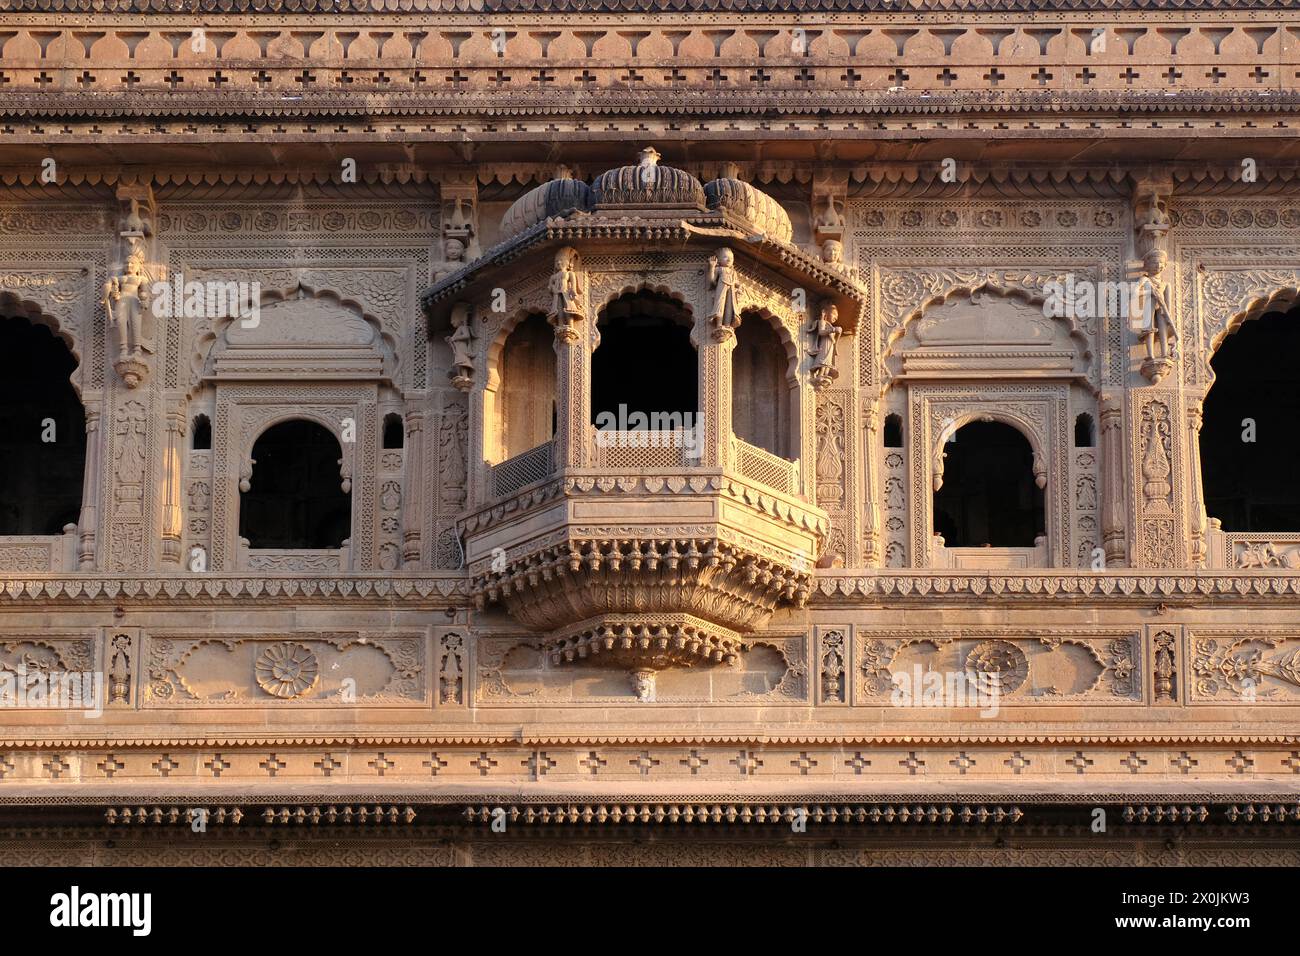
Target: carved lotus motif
pixel 287 670
pixel 1001 663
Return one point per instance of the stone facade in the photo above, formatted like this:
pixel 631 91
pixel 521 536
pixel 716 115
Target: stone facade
pixel 600 636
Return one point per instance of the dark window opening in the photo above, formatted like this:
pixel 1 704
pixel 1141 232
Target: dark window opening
pixel 645 363
pixel 526 394
pixel 1085 434
pixel 42 432
pixel 988 495
pixel 295 497
pixel 201 433
pixel 760 395
pixel 394 436
pixel 1250 485
pixel 893 431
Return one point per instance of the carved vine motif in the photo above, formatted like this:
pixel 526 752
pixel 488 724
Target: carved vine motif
pixel 308 668
pixel 451 669
pixel 1107 671
pixel 830 453
pixel 833 650
pixel 1238 668
pixel 1157 491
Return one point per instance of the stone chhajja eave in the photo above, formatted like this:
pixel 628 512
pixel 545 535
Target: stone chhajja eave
pixel 410 7
pixel 706 229
pixel 865 588
pixel 240 104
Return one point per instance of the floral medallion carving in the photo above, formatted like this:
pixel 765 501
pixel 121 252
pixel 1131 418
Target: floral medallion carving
pixel 287 670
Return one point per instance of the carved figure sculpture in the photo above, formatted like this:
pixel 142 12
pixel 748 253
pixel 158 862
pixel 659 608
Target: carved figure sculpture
pixel 461 341
pixel 825 334
pixel 568 301
pixel 724 314
pixel 1152 317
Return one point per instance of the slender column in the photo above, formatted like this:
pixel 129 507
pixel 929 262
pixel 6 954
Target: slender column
pixel 572 396
pixel 172 521
pixel 871 493
pixel 715 348
pixel 1113 504
pixel 88 522
pixel 1196 516
pixel 413 497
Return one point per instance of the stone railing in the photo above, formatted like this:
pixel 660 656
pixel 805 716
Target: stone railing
pixel 39 552
pixel 522 470
pixel 1252 551
pixel 666 448
pixel 293 559
pixel 760 465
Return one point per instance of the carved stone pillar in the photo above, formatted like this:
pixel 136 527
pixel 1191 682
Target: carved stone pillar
pixel 172 514
pixel 1113 502
pixel 1196 515
pixel 714 430
pixel 88 523
pixel 871 530
pixel 481 403
pixel 413 497
pixel 572 395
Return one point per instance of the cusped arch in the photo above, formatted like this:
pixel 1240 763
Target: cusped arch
pixel 782 330
pixel 1026 428
pixel 17 307
pixel 1276 299
pixel 636 288
pixel 966 290
pixel 496 347
pixel 206 344
pixel 279 417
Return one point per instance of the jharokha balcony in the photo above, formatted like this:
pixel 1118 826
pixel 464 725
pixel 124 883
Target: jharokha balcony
pixel 642 357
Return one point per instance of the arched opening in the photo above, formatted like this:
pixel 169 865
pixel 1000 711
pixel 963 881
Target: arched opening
pixel 988 495
pixel 201 433
pixel 394 435
pixel 1251 427
pixel 42 432
pixel 645 364
pixel 295 497
pixel 894 431
pixel 1085 433
pixel 760 393
pixel 526 398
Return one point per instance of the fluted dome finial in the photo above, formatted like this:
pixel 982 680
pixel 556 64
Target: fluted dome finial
pixel 648 157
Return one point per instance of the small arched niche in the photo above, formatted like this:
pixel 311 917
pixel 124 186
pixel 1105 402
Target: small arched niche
pixel 295 497
pixel 989 496
pixel 526 390
pixel 761 388
pixel 42 432
pixel 645 367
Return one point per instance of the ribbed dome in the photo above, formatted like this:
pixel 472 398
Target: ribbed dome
pixel 648 182
pixel 740 199
pixel 555 198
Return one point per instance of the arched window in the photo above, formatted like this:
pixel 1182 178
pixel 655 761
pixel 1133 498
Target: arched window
pixel 1251 427
pixel 394 436
pixel 42 432
pixel 760 393
pixel 295 497
pixel 201 433
pixel 1085 433
pixel 894 431
pixel 988 496
pixel 526 400
pixel 645 364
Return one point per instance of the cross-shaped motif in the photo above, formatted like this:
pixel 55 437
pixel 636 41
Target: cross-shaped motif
pixel 165 765
pixel 380 764
pixel 805 76
pixel 483 764
pixel 272 765
pixel 675 78
pixel 43 79
pixel 174 80
pixel 1130 75
pixel 644 763
pixel 899 77
pixel 217 764
pixel 327 765
pixel 850 77
pixel 1042 76
pixel 1133 762
pixel 947 76
pixel 962 762
pixel 499 78
pixel 760 77
pixel 539 763
pixel 110 765
pixel 1260 74
pixel 748 762
pixel 1293 761
pixel 1173 75
pixel 305 79
pixel 858 763
pixel 217 79
pixel 994 76
pixel 262 78
pixel 1017 762
pixel 434 763
pixel 694 761
pixel 593 762
pixel 86 79
pixel 6 766
pixel 418 78
pixel 804 763
pixel 1215 75
pixel 912 763
pixel 1183 762
pixel 1240 763
pixel 1079 762
pixel 632 77
pixel 456 78
pixel 717 78
pixel 1087 75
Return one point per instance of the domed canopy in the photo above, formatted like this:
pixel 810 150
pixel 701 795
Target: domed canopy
pixel 648 183
pixel 742 201
pixel 558 197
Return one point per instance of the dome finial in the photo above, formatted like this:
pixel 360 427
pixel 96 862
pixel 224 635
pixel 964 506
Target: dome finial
pixel 648 157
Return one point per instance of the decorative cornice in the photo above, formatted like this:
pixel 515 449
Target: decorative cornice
pixel 207 588
pixel 784 814
pixel 408 7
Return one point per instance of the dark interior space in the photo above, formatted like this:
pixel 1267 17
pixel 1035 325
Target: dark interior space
pixel 988 495
pixel 295 497
pixel 645 359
